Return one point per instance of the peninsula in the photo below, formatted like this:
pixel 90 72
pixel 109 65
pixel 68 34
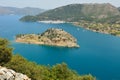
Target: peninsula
pixel 103 18
pixel 52 37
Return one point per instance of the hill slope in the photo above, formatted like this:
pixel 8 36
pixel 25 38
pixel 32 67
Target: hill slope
pixel 21 11
pixel 78 12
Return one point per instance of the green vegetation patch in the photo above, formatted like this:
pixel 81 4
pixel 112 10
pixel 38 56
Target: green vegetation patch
pixel 40 72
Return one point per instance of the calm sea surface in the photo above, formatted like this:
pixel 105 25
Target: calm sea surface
pixel 99 54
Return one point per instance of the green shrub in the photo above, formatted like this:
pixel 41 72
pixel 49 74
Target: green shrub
pixel 5 51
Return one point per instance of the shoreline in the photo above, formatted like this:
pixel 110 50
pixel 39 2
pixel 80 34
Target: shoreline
pixel 77 24
pixel 41 43
pixel 93 30
pixel 52 22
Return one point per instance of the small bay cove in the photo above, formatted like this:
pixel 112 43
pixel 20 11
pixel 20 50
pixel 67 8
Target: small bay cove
pixel 99 54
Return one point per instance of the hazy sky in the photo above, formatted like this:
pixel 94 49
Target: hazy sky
pixel 49 4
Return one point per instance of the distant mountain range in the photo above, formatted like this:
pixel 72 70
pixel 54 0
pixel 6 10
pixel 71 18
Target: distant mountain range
pixel 20 11
pixel 78 12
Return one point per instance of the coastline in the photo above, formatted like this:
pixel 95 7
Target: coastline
pixel 82 24
pixel 97 31
pixel 52 22
pixel 42 43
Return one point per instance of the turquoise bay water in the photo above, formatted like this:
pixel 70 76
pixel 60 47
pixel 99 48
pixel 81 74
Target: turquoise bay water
pixel 99 54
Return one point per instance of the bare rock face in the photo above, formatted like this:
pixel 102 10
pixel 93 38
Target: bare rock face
pixel 9 74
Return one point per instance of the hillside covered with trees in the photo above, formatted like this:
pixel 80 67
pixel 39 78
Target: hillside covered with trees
pixel 104 18
pixel 78 12
pixel 35 71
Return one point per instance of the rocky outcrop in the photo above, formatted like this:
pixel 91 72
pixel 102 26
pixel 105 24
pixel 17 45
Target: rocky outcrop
pixel 9 74
pixel 52 36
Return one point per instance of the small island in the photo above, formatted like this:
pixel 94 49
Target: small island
pixel 52 37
